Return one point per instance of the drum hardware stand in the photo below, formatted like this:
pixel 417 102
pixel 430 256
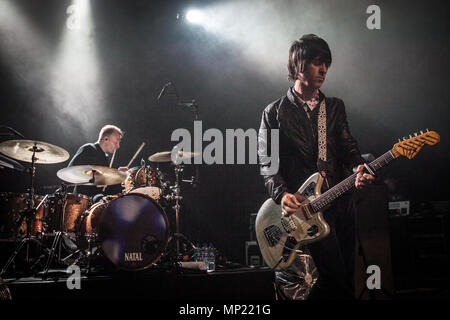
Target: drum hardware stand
pixel 90 254
pixel 81 252
pixel 176 194
pixel 27 214
pixel 57 242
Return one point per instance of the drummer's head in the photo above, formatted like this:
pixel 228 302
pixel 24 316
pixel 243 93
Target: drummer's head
pixel 109 138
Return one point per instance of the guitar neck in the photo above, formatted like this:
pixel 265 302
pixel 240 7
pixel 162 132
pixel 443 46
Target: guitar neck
pixel 342 187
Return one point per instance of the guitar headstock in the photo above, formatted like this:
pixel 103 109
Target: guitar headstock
pixel 410 147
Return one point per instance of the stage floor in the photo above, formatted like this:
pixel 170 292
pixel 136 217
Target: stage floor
pixel 179 284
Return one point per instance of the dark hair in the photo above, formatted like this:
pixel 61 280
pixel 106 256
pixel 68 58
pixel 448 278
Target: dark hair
pixel 303 51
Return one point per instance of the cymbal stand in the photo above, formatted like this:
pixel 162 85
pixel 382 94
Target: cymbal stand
pixel 27 214
pixel 59 233
pixel 57 241
pixel 176 194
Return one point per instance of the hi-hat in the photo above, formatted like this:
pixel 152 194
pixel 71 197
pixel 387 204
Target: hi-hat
pixel 91 175
pixel 166 156
pixel 23 150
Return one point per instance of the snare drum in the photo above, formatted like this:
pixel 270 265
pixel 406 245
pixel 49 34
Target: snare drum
pixel 132 230
pixel 64 213
pixel 11 206
pixel 144 180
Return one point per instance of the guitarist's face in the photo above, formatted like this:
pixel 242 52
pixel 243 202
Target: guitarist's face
pixel 314 73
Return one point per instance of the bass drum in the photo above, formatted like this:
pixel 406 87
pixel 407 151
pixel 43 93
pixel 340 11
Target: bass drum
pixel 132 230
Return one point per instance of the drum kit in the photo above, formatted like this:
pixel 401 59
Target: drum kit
pixel 130 229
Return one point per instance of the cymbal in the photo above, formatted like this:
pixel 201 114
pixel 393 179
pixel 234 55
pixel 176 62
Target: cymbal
pixel 166 156
pixel 22 150
pixel 91 175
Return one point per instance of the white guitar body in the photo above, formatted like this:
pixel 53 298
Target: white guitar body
pixel 279 237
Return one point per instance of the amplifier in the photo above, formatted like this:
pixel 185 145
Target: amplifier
pixel 253 255
pixel 399 208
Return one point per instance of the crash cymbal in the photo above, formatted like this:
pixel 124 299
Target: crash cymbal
pixel 91 175
pixel 165 156
pixel 22 150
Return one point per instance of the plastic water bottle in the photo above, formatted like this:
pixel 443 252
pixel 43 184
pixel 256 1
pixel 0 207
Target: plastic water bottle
pixel 210 258
pixel 203 255
pixel 197 253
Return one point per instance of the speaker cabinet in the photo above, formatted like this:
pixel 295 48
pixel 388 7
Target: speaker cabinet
pixel 373 243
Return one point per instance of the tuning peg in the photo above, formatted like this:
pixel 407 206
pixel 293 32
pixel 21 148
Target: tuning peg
pixel 427 130
pixel 410 136
pixel 404 138
pixel 415 134
pixel 399 140
pixel 421 132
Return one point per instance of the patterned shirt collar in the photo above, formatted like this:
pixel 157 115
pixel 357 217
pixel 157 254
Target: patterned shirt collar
pixel 310 104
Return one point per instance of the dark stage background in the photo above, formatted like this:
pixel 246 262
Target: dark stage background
pixel 394 82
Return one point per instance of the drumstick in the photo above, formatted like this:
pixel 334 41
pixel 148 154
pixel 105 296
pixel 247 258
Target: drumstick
pixel 110 165
pixel 42 201
pixel 112 158
pixel 135 155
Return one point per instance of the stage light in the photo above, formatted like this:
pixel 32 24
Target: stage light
pixel 75 80
pixel 250 26
pixel 65 83
pixel 195 16
pixel 21 45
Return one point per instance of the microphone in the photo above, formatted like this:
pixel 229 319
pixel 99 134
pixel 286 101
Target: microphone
pixel 163 91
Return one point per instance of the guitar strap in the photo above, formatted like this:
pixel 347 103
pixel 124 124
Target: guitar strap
pixel 322 141
pixel 322 131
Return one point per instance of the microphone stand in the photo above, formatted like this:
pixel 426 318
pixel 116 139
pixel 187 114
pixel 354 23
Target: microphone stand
pixel 176 191
pixel 193 105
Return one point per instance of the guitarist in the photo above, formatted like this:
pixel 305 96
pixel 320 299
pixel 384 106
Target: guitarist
pixel 296 116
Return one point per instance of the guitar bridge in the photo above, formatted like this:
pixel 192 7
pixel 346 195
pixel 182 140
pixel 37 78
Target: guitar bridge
pixel 288 224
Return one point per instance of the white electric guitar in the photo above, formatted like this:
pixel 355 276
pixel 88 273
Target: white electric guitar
pixel 279 237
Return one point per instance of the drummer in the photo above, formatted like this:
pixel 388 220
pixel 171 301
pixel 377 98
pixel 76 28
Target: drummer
pixel 98 154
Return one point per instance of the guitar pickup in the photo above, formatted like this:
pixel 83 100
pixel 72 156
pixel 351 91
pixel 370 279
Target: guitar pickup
pixel 273 235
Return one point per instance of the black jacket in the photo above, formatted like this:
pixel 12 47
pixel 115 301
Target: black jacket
pixel 298 145
pixel 89 154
